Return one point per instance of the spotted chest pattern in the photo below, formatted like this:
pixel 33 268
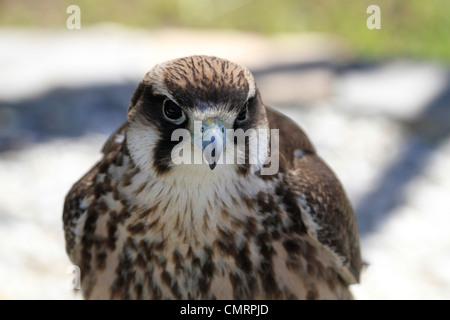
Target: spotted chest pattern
pixel 182 247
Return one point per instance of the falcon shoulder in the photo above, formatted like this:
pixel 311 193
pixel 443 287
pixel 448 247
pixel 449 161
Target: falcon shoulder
pixel 76 215
pixel 327 212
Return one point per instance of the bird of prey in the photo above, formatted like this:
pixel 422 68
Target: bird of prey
pixel 141 225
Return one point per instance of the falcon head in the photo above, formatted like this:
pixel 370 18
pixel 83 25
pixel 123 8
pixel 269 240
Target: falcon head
pixel 194 114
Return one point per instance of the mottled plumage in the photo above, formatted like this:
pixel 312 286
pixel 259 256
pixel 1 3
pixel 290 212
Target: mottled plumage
pixel 140 227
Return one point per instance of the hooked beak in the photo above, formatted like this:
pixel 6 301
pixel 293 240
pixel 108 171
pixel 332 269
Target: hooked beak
pixel 213 141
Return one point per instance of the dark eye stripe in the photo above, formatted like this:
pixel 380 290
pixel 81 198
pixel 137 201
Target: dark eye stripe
pixel 243 114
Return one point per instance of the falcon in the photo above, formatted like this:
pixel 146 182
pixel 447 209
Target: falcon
pixel 141 224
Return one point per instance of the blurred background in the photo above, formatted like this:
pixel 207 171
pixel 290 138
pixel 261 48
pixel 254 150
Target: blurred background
pixel 376 104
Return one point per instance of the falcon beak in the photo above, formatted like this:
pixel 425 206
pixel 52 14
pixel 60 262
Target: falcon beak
pixel 213 141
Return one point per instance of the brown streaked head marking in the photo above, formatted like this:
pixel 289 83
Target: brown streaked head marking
pixel 199 82
pixel 202 79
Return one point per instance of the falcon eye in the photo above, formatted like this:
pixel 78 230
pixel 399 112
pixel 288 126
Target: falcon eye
pixel 173 112
pixel 243 114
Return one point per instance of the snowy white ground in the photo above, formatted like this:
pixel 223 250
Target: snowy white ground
pixel 371 125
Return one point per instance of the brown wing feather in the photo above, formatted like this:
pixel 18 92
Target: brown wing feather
pixel 114 142
pixel 74 210
pixel 291 138
pixel 329 206
pixel 75 203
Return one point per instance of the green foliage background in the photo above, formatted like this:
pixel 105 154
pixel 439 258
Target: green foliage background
pixel 410 28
